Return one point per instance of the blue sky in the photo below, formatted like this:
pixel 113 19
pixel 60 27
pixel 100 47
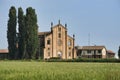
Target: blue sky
pixel 99 18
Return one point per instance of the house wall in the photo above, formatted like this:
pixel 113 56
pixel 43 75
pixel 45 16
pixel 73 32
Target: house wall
pixel 104 53
pixel 94 53
pixel 70 47
pixel 48 47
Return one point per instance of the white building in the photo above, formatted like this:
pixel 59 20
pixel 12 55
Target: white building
pixel 91 51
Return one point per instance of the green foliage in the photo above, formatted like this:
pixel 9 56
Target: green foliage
pixel 22 34
pixel 119 53
pixel 32 33
pixel 27 38
pixel 17 70
pixel 11 33
pixel 55 58
pixel 84 60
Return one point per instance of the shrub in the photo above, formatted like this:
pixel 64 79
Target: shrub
pixel 83 60
pixel 55 58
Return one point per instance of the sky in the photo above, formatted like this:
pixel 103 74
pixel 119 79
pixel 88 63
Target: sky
pixel 94 21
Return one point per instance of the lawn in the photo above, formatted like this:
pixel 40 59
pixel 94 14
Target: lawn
pixel 18 70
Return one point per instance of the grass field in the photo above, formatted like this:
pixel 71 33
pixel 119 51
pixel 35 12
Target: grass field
pixel 18 70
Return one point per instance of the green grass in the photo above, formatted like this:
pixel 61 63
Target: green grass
pixel 18 70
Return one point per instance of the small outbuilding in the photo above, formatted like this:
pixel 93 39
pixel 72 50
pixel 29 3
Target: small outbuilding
pixel 4 53
pixel 110 54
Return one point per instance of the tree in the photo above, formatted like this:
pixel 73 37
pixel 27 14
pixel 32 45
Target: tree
pixel 11 32
pixel 31 33
pixel 21 35
pixel 119 52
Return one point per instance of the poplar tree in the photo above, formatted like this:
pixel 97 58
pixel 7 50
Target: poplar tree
pixel 31 33
pixel 119 52
pixel 11 33
pixel 21 35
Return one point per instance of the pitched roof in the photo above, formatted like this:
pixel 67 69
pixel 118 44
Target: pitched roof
pixel 70 36
pixel 90 47
pixel 110 52
pixel 58 25
pixel 4 51
pixel 44 33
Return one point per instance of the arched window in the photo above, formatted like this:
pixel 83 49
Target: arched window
pixel 69 43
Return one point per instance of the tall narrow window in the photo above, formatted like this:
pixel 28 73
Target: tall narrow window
pixel 48 41
pixel 59 35
pixel 59 29
pixel 69 42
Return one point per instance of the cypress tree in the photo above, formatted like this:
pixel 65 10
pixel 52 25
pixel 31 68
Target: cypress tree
pixel 11 33
pixel 119 52
pixel 21 35
pixel 31 33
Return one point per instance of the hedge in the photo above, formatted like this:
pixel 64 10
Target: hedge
pixel 84 60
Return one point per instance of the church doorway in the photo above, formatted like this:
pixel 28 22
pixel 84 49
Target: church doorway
pixel 59 54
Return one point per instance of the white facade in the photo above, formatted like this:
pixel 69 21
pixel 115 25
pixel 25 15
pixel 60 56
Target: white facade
pixel 92 52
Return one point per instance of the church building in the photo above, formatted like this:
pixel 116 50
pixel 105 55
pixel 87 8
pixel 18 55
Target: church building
pixel 56 43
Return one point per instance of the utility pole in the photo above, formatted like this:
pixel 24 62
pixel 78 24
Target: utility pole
pixel 89 39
